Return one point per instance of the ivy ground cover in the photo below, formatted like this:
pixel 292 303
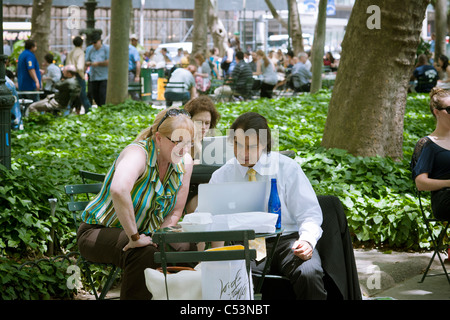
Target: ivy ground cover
pixel 377 193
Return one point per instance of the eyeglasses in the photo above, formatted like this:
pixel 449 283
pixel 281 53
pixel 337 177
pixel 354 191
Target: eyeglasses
pixel 173 113
pixel 186 144
pixel 446 109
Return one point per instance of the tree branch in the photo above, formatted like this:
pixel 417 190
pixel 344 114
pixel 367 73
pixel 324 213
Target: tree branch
pixel 275 14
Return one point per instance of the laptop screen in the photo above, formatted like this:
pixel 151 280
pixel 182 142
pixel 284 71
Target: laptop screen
pixel 232 197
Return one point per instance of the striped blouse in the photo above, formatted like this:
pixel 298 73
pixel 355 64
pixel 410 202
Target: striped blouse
pixel 152 199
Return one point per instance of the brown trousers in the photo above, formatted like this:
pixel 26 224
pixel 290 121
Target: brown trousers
pixel 105 245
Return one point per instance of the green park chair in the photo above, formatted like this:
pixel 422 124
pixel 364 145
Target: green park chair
pixel 76 205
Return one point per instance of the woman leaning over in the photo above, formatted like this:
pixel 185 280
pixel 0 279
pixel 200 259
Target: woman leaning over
pixel 144 190
pixel 431 159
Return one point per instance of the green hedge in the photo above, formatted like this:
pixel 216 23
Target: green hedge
pixel 377 193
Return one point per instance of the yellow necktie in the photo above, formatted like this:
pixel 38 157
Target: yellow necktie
pixel 259 244
pixel 251 174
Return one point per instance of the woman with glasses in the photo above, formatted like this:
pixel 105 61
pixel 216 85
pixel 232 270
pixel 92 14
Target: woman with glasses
pixel 144 190
pixel 205 117
pixel 431 159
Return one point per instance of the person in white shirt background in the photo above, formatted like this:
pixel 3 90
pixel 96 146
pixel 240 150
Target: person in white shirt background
pixel 301 216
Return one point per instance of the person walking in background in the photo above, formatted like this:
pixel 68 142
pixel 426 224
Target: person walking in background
pixel 28 72
pixel 76 57
pixel 97 58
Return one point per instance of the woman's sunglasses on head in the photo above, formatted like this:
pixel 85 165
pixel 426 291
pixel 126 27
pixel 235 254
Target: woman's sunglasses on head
pixel 173 113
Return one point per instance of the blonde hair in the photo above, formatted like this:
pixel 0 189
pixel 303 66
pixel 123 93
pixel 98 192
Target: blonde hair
pixel 436 95
pixel 166 128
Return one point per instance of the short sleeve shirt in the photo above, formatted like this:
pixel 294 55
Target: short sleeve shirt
pixel 133 57
pixel 27 61
pixel 101 72
pixel 433 160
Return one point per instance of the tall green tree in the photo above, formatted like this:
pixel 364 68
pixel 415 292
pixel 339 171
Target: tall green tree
pixel 366 110
pixel 117 88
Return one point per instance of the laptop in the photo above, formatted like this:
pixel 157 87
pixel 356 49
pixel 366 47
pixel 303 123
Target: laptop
pixel 216 150
pixel 232 197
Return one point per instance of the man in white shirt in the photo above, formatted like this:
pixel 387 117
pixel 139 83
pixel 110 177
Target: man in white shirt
pixel 301 215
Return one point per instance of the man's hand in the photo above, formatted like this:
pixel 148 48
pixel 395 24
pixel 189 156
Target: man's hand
pixel 142 242
pixel 302 249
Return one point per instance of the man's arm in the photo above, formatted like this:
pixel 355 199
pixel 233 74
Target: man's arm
pixel 100 63
pixel 32 73
pixel 302 203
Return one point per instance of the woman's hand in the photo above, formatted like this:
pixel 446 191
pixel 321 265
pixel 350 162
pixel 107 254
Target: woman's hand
pixel 143 241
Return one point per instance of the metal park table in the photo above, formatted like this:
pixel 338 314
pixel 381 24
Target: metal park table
pixel 171 235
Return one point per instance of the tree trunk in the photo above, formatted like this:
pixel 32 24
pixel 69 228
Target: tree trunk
pixel 296 28
pixel 318 47
pixel 200 32
pixel 366 110
pixel 40 27
pixel 117 89
pixel 440 10
pixel 216 28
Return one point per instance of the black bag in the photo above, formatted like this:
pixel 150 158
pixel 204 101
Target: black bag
pixel 224 64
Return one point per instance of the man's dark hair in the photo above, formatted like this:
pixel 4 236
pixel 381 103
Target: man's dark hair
pixel 77 41
pixel 255 121
pixel 49 58
pixel 30 44
pixel 240 55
